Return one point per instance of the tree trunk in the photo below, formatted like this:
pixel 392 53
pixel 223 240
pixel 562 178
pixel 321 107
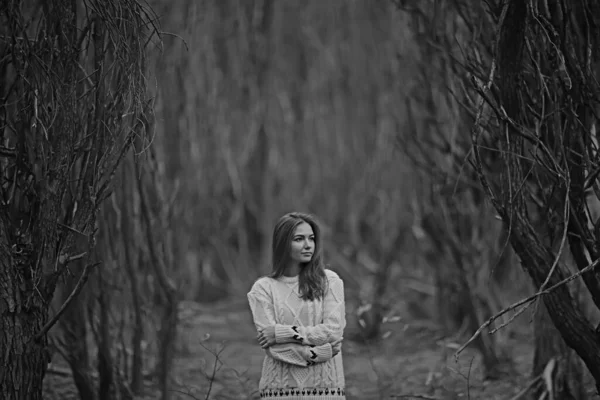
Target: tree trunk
pixel 24 359
pixel 104 341
pixel 63 135
pixel 131 248
pixel 72 329
pixel 567 370
pixel 514 38
pixel 22 374
pixel 564 312
pixel 457 303
pixel 167 336
pixel 449 296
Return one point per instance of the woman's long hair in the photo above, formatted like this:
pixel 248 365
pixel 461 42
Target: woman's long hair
pixel 312 280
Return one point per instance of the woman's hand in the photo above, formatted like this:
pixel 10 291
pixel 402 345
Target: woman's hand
pixel 336 347
pixel 266 337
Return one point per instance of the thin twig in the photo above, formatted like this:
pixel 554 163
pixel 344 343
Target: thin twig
pixel 511 319
pixel 63 259
pixel 524 301
pixel 185 393
pixel 177 36
pixel 526 388
pixel 216 366
pixel 469 379
pixel 562 242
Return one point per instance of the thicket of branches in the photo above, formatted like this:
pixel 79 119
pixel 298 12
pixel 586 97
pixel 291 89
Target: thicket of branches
pixel 538 101
pixel 72 101
pixel 530 88
pixel 459 224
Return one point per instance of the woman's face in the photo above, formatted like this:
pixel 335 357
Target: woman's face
pixel 303 244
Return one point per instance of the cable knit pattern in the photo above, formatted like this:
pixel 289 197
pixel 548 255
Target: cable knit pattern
pixel 300 365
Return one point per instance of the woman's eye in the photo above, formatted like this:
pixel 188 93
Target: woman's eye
pixel 299 239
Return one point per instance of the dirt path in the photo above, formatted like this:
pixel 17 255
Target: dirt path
pixel 415 360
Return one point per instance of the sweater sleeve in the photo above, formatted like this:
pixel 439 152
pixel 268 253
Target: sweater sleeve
pixel 332 326
pixel 263 315
pixel 300 355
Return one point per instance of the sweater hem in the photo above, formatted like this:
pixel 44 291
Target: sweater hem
pixel 337 393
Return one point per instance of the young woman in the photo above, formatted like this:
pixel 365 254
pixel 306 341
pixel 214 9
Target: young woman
pixel 299 314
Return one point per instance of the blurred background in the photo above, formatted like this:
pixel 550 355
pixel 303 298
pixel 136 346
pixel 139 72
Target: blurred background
pixel 340 108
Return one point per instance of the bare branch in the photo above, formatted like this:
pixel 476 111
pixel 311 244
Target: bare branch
pixel 80 283
pixel 529 299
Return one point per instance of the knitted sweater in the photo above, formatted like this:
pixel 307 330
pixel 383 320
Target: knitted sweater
pixel 300 365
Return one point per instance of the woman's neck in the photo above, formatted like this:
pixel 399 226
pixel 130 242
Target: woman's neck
pixel 292 270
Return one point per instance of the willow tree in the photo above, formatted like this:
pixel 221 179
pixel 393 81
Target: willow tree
pixel 538 103
pixel 464 38
pixel 72 99
pixel 465 247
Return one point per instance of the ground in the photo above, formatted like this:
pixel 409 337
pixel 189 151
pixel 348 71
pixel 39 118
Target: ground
pixel 415 361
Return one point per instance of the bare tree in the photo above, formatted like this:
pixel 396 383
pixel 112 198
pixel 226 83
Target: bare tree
pixel 535 77
pixel 470 53
pixel 73 90
pixel 463 244
pixel 156 209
